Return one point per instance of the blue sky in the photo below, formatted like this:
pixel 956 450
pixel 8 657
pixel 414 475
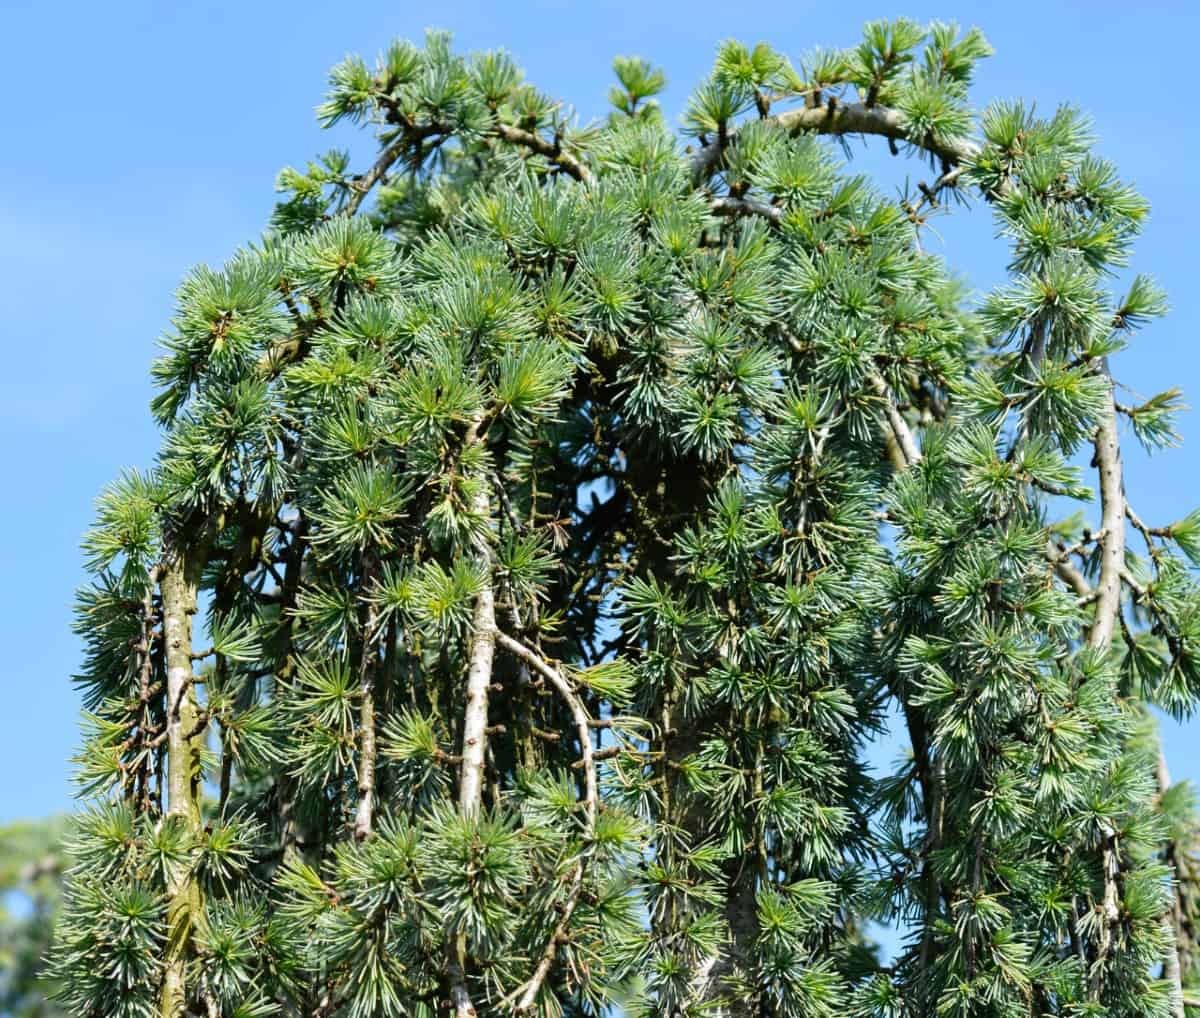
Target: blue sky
pixel 142 138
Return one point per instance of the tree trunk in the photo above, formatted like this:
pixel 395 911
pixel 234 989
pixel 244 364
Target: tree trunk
pixel 185 740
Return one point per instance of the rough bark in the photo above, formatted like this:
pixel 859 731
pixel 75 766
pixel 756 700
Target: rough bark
pixel 178 584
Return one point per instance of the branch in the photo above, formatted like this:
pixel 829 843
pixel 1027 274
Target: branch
pixel 841 119
pixel 361 188
pixel 552 150
pixel 528 993
pixel 583 723
pixel 410 136
pixel 1107 461
pixel 930 194
pixel 733 207
pixel 1068 573
pixel 364 817
pixel 905 439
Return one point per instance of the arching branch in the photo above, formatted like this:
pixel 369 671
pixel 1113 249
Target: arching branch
pixel 841 119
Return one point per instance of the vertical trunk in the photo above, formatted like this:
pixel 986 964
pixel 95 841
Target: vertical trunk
pixel 145 683
pixel 479 680
pixel 716 975
pixel 1107 461
pixel 714 982
pixel 1171 967
pixel 178 584
pixel 479 667
pixel 475 718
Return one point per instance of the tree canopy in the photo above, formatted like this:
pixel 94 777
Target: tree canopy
pixel 548 518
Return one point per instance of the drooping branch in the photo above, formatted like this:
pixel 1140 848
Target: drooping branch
pixel 579 714
pixel 1113 510
pixel 1069 573
pixel 409 138
pixel 361 188
pixel 931 772
pixel 527 995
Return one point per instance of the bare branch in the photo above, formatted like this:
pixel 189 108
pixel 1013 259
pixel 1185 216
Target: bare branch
pixel 732 207
pixel 842 119
pixel 1068 573
pixel 552 150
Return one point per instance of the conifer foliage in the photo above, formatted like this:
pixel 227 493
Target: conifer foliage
pixel 547 519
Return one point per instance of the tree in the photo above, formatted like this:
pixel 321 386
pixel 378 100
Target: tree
pixel 567 508
pixel 30 866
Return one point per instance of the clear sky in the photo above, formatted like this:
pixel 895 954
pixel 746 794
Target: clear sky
pixel 142 138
